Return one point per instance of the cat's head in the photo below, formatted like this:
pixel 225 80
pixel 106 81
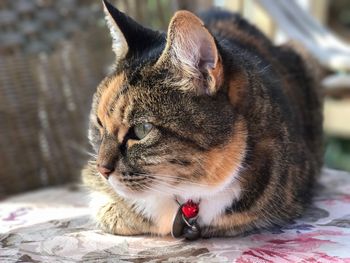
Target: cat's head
pixel 164 122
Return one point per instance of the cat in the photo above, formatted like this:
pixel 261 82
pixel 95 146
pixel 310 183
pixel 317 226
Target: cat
pixel 210 112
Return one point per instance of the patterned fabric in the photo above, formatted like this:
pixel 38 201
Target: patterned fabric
pixel 53 226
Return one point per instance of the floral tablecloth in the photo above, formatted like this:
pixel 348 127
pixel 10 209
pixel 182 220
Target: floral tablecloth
pixel 53 225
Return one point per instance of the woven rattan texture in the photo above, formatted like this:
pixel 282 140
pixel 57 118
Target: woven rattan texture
pixel 46 91
pixel 44 105
pixel 32 26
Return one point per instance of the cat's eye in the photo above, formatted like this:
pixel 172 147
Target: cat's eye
pixel 141 130
pixel 99 122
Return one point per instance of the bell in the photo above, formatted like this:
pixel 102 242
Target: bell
pixel 192 232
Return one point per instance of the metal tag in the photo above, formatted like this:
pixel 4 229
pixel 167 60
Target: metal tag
pixel 178 224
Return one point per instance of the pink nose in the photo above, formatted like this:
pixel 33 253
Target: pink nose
pixel 105 171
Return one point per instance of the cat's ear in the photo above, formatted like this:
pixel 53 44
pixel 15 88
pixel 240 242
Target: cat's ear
pixel 192 50
pixel 113 19
pixel 128 36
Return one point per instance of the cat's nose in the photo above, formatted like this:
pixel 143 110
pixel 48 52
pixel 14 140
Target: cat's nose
pixel 105 170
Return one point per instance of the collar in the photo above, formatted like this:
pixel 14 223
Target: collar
pixel 185 221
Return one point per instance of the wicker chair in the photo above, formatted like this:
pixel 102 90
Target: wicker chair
pixel 49 69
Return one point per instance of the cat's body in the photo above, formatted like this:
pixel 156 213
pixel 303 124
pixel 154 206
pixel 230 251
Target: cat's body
pixel 236 125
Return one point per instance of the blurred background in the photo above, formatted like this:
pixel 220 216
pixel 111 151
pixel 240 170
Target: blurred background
pixel 53 54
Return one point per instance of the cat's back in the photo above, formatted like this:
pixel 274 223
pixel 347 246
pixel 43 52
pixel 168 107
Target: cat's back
pixel 289 65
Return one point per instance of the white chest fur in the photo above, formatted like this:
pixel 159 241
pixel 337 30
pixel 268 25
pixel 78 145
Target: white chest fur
pixel 214 206
pixel 162 209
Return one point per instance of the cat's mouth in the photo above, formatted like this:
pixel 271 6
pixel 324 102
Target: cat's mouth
pixel 130 184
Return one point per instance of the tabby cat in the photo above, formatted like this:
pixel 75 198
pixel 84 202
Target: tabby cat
pixel 210 112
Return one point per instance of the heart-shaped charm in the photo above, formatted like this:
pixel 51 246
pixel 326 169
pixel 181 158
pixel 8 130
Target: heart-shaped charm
pixel 190 209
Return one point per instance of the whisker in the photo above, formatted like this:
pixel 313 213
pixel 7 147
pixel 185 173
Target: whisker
pixel 181 189
pixel 82 150
pixel 174 179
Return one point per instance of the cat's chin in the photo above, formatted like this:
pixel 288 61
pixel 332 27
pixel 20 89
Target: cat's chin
pixel 124 191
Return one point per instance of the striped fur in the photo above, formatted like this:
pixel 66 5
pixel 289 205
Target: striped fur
pixel 240 130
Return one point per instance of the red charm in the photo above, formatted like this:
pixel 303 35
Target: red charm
pixel 190 209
